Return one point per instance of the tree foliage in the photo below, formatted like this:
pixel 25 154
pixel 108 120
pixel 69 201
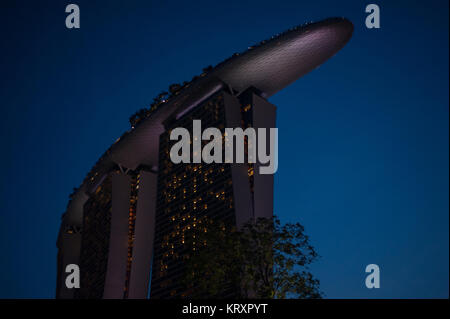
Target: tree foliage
pixel 264 259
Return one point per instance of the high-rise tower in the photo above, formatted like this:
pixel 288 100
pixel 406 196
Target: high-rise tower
pixel 127 224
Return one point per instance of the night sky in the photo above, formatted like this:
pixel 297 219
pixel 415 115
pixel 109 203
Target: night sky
pixel 363 140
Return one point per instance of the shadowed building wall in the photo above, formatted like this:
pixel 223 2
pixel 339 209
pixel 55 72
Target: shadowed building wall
pixel 152 203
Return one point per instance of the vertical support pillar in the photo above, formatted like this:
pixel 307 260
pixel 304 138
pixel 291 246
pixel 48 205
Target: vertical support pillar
pixel 118 243
pixel 69 244
pixel 264 116
pixel 144 236
pixel 239 172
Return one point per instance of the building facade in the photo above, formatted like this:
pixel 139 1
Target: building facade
pixel 127 225
pixel 136 222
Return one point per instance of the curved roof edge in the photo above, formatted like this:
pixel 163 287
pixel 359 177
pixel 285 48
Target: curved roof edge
pixel 269 66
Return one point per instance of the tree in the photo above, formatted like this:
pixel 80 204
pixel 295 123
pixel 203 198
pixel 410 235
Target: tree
pixel 264 259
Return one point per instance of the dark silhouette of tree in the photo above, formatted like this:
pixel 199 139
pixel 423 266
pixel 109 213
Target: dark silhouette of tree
pixel 264 259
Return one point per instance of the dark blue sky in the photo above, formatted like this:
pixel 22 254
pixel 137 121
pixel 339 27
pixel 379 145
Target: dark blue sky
pixel 364 149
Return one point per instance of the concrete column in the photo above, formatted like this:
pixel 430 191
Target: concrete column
pixel 264 116
pixel 70 254
pixel 69 245
pixel 118 243
pixel 239 172
pixel 144 236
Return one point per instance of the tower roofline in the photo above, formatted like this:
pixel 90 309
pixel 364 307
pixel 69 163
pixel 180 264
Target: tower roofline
pixel 269 67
